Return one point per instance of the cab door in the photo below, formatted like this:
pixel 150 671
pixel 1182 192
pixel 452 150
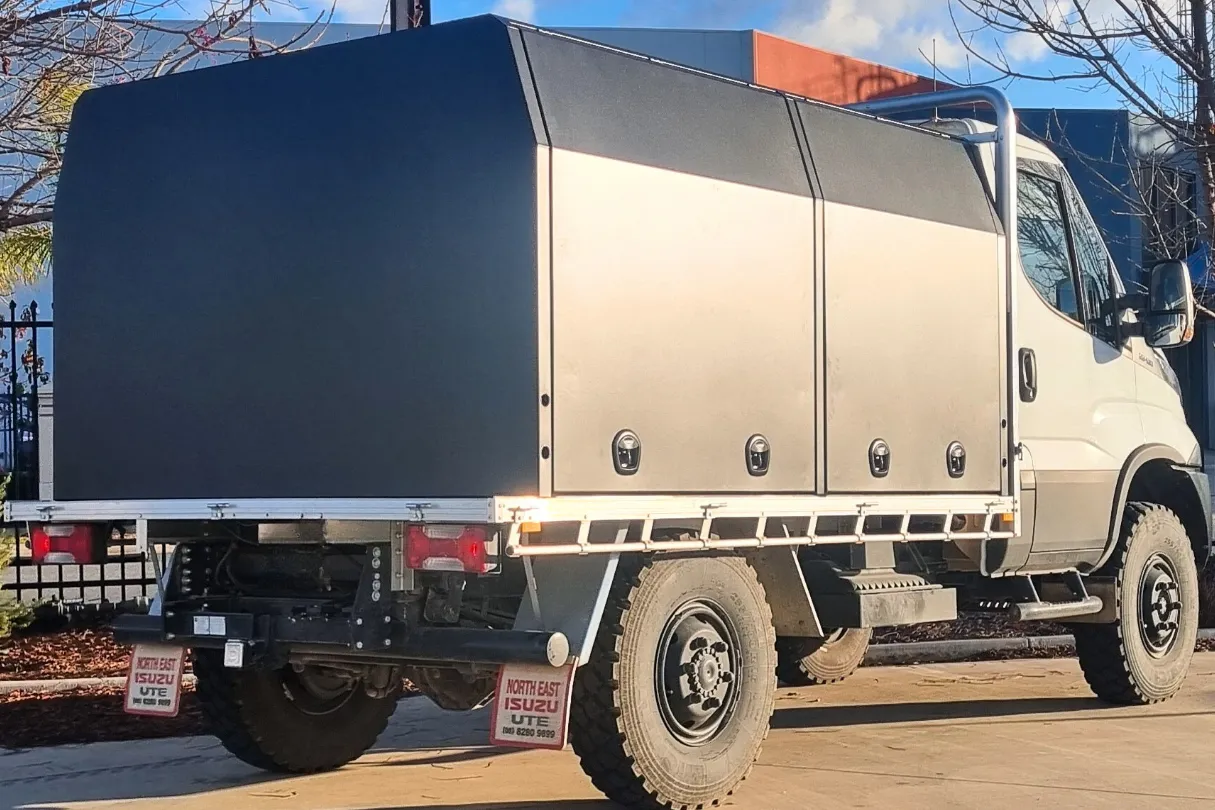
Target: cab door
pixel 1078 401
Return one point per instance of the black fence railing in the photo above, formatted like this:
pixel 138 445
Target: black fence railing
pixel 23 369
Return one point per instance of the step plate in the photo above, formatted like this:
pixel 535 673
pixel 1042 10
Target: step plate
pixel 887 608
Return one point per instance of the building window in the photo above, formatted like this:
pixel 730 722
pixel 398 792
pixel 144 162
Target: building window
pixel 1170 227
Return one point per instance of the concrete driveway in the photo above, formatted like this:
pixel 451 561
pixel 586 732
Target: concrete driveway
pixel 994 735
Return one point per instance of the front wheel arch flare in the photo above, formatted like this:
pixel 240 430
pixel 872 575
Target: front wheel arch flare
pixel 1151 475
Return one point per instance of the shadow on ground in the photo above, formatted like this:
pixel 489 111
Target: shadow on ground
pixel 419 735
pixel 956 712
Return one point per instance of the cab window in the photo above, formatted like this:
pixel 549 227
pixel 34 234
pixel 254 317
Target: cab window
pixel 1043 238
pixel 1094 265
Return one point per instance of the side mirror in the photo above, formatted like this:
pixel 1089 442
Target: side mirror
pixel 1168 321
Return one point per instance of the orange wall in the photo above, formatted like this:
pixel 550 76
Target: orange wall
pixel 831 77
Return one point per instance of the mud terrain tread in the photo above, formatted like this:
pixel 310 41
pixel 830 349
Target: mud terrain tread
pixel 600 743
pixel 1102 648
pixel 251 729
pixel 222 711
pixel 795 668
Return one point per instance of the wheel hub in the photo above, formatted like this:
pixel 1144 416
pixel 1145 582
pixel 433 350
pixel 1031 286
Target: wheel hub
pixel 317 690
pixel 1159 605
pixel 695 672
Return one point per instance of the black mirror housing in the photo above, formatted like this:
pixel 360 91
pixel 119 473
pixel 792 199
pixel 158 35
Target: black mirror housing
pixel 1168 319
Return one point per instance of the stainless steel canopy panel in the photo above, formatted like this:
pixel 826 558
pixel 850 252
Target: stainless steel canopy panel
pixel 682 276
pixel 914 306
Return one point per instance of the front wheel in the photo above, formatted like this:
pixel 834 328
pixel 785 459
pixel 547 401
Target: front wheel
pixel 290 721
pixel 674 705
pixel 1144 655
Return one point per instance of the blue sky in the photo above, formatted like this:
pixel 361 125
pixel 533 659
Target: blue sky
pixel 897 32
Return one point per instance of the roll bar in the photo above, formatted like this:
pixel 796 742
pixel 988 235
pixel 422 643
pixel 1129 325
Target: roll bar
pixel 1006 207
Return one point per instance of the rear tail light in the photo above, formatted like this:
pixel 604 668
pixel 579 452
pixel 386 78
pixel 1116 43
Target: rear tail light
pixel 449 548
pixel 66 543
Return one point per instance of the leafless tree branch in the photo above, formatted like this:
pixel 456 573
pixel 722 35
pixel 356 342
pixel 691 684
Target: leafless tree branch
pixel 1155 56
pixel 51 51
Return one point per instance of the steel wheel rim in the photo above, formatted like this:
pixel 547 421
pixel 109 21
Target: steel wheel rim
pixel 1159 605
pixel 696 672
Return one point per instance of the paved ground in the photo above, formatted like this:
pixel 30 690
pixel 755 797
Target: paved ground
pixel 992 735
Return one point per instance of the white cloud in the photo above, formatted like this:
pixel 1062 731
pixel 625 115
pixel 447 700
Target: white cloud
pixel 903 32
pixel 1025 46
pixel 524 10
pixel 891 31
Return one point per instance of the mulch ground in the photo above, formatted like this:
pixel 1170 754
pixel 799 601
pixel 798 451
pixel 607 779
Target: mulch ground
pixel 95 714
pixel 72 653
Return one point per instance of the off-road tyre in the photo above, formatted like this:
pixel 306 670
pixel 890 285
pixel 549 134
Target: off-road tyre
pixel 820 661
pixel 254 717
pixel 619 730
pixel 1118 659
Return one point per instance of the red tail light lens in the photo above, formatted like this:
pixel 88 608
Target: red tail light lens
pixel 447 548
pixel 65 543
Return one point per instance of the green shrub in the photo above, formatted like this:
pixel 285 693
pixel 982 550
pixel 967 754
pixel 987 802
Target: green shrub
pixel 13 614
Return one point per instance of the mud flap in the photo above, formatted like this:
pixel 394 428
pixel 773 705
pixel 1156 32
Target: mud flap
pixel 154 680
pixel 558 597
pixel 780 573
pixel 532 706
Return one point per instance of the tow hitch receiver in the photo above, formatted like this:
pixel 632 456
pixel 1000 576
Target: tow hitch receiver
pixel 532 706
pixel 154 680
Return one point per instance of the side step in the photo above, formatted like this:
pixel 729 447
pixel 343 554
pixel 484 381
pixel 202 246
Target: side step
pixel 877 597
pixel 1051 611
pixel 1056 600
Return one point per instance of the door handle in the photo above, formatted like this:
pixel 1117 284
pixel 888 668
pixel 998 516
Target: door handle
pixel 1029 374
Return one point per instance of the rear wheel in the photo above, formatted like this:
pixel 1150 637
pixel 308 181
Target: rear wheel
pixel 817 661
pixel 1144 655
pixel 290 721
pixel 674 705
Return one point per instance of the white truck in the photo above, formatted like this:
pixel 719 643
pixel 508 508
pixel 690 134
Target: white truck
pixel 532 370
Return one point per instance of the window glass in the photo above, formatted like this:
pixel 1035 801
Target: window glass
pixel 1094 264
pixel 1042 234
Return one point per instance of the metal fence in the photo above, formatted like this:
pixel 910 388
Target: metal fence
pixel 127 574
pixel 24 372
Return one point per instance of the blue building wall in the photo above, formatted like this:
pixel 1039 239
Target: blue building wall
pixel 1096 148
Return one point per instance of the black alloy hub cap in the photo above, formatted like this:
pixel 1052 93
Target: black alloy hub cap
pixel 696 672
pixel 1159 605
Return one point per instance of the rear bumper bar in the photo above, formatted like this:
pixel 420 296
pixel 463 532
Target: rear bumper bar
pixel 341 638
